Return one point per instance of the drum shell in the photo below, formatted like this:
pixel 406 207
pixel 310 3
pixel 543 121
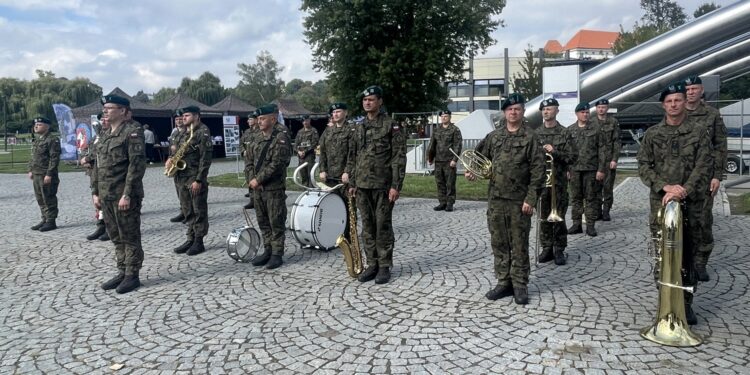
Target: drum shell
pixel 317 218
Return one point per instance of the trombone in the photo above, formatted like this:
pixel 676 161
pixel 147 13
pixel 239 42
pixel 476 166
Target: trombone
pixel 554 215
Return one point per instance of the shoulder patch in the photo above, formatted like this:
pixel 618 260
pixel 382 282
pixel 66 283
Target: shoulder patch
pixel 134 135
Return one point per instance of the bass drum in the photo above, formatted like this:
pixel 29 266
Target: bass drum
pixel 243 244
pixel 318 218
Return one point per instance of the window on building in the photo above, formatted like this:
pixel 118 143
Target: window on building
pixel 462 106
pixel 497 87
pixel 458 89
pixel 487 104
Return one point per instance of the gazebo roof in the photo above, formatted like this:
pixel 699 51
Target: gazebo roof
pixel 181 100
pixel 291 108
pixel 139 108
pixel 234 105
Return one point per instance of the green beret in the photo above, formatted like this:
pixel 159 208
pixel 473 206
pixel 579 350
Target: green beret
pixel 601 102
pixel 336 106
pixel 43 120
pixel 119 100
pixel 373 90
pixel 178 113
pixel 513 98
pixel 583 106
pixel 693 80
pixel 674 88
pixel 267 109
pixel 191 109
pixel 305 117
pixel 445 112
pixel 253 114
pixel 551 102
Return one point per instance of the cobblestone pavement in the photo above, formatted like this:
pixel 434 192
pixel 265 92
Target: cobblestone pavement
pixel 207 314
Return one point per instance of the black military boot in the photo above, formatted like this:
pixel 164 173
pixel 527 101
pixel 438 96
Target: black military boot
pixel 590 230
pixel 184 247
pixel 449 207
pixel 605 214
pixel 439 207
pixel 250 205
pixel 129 284
pixel 383 276
pixel 262 259
pixel 521 294
pixel 560 256
pixel 48 225
pixel 546 255
pixel 100 229
pixel 368 274
pixel 575 228
pixel 700 271
pixel 104 237
pixel 197 247
pixel 690 314
pixel 499 291
pixel 274 262
pixel 113 282
pixel 177 218
pixel 36 227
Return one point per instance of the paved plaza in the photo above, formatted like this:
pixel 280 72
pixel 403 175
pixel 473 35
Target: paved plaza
pixel 207 314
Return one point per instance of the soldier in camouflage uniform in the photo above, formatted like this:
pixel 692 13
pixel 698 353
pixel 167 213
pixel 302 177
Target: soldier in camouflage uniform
pixel 446 136
pixel 88 162
pixel 517 174
pixel 246 141
pixel 118 189
pixel 270 154
pixel 556 141
pixel 610 129
pixel 377 166
pixel 710 119
pixel 174 141
pixel 334 147
pixel 306 141
pixel 45 158
pixel 675 162
pixel 587 173
pixel 193 180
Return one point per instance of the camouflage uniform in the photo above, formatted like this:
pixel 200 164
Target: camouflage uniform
pixel 45 158
pixel 517 174
pixel 678 155
pixel 610 129
pixel 120 166
pixel 306 141
pixel 246 141
pixel 334 151
pixel 377 163
pixel 564 154
pixel 443 139
pixel 592 157
pixel 197 162
pixel 175 141
pixel 709 119
pixel 270 172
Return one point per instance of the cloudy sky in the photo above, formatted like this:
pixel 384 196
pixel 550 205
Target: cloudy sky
pixel 149 44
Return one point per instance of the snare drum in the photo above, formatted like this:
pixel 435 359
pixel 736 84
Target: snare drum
pixel 243 244
pixel 318 218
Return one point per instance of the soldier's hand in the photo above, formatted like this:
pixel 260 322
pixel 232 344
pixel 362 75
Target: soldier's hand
pixel 253 184
pixel 392 195
pixel 168 164
pixel 670 197
pixel 47 180
pixel 548 148
pixel 31 176
pixel 613 165
pixel 675 190
pixel 95 200
pixel 123 204
pixel 195 187
pixel 452 164
pixel 568 174
pixel 301 154
pixel 715 183
pixel 322 176
pixel 352 192
pixel 600 176
pixel 345 178
pixel 527 209
pixel 470 176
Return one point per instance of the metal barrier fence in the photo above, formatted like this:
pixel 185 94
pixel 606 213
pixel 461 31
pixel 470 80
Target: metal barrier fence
pixel 420 146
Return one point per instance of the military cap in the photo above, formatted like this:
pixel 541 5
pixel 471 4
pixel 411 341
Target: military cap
pixel 601 102
pixel 42 119
pixel 305 117
pixel 444 112
pixel 119 100
pixel 673 88
pixel 513 98
pixel 373 90
pixel 253 114
pixel 266 110
pixel 551 102
pixel 693 80
pixel 336 106
pixel 583 106
pixel 190 109
pixel 178 112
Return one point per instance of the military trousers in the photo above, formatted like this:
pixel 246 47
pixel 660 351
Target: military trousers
pixel 706 246
pixel 124 229
pixel 197 207
pixel 305 172
pixel 270 210
pixel 46 196
pixel 509 236
pixel 553 234
pixel 445 178
pixel 183 204
pixel 608 187
pixel 584 195
pixel 377 226
pixel 247 183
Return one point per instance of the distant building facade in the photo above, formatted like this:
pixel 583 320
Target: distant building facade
pixel 585 44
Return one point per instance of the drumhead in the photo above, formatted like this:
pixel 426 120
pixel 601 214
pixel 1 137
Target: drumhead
pixel 243 244
pixel 318 218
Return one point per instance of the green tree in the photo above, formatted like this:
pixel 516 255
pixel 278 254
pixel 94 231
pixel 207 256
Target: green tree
pixel 529 80
pixel 408 47
pixel 164 94
pixel 629 39
pixel 142 97
pixel 663 14
pixel 206 89
pixel 736 89
pixel 260 82
pixel 295 85
pixel 705 8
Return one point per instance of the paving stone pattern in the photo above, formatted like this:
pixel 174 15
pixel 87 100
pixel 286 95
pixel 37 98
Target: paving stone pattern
pixel 207 314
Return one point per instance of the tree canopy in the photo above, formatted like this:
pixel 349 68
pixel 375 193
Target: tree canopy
pixel 705 8
pixel 260 83
pixel 408 47
pixel 529 80
pixel 206 89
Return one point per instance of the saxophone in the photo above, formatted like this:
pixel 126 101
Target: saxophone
pixel 177 163
pixel 352 252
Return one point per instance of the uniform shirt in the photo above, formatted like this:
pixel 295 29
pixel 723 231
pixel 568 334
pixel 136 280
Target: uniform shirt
pixel 177 137
pixel 593 152
pixel 270 170
pixel 120 162
pixel 442 140
pixel 675 155
pixel 517 163
pixel 610 129
pixel 565 152
pixel 377 158
pixel 334 149
pixel 198 154
pixel 45 155
pixel 246 141
pixel 306 140
pixel 710 119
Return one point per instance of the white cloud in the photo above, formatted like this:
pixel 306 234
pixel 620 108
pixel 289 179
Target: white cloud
pixel 112 54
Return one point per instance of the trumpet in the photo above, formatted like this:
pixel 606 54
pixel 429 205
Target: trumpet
pixel 476 163
pixel 554 215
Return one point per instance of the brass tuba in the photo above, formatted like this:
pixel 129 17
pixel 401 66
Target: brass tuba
pixel 554 215
pixel 476 163
pixel 352 252
pixel 177 163
pixel 670 326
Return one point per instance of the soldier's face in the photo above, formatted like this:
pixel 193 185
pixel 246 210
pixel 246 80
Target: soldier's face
pixel 550 113
pixel 178 121
pixel 371 103
pixel 602 109
pixel 265 122
pixel 306 123
pixel 445 118
pixel 513 113
pixel 583 116
pixel 40 128
pixel 674 104
pixel 338 115
pixel 113 112
pixel 189 118
pixel 251 122
pixel 694 93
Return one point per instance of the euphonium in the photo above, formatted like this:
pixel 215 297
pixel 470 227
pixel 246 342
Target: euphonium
pixel 352 252
pixel 670 326
pixel 554 216
pixel 476 163
pixel 177 163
